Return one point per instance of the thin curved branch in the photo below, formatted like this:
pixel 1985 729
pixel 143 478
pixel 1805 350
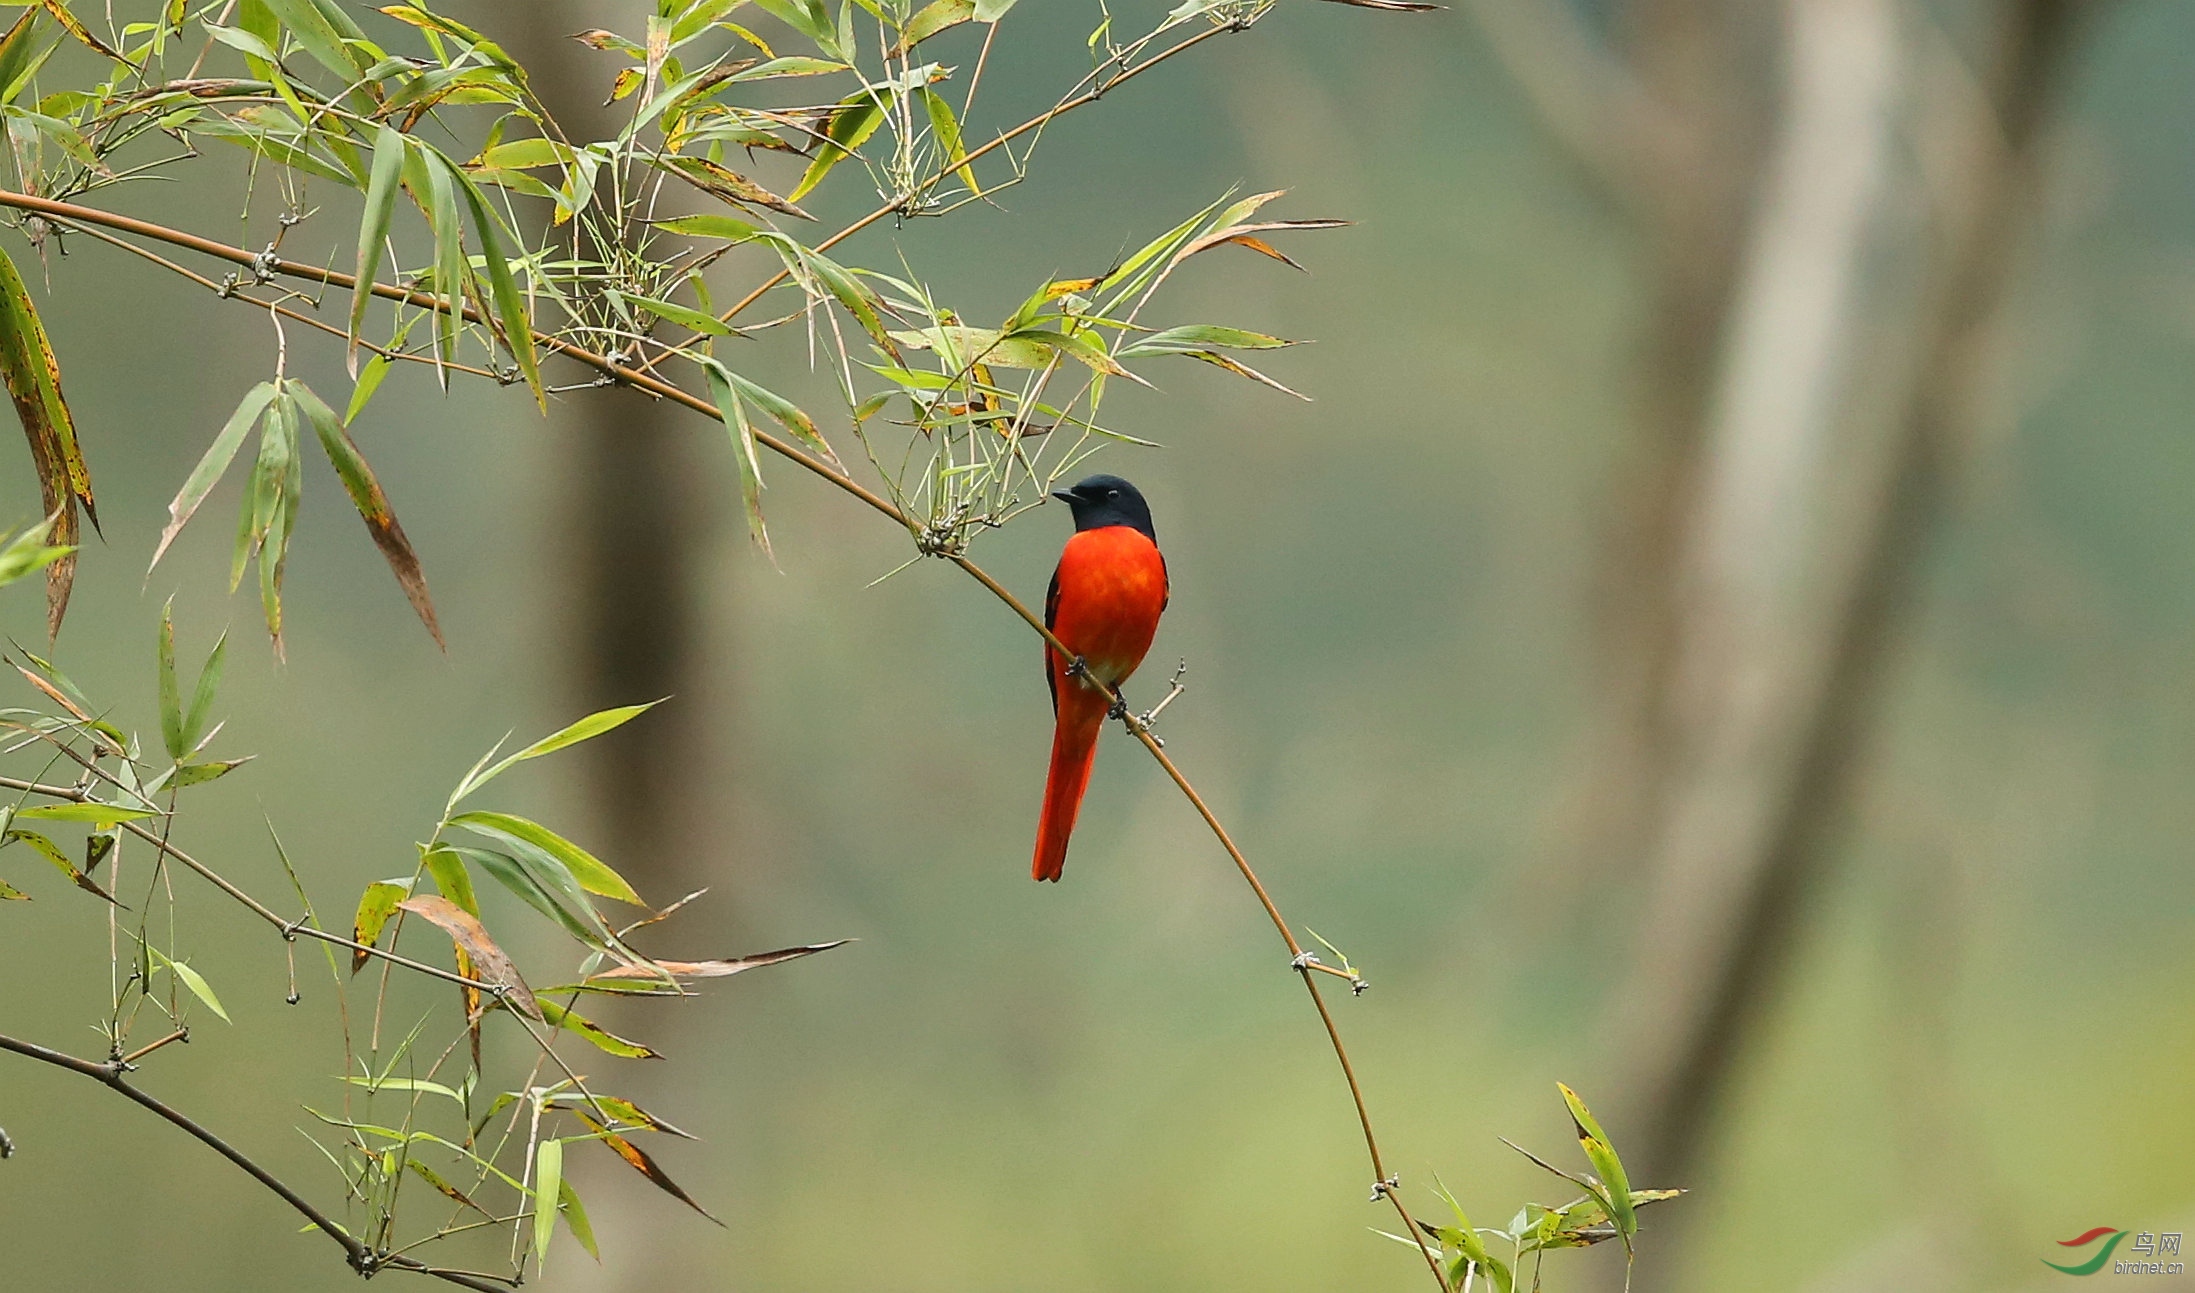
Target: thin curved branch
pixel 361 1258
pixel 1383 1184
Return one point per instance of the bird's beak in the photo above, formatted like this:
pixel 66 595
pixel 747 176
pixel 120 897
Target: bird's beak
pixel 1065 496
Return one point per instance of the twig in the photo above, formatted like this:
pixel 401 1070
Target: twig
pixel 361 1258
pixel 635 377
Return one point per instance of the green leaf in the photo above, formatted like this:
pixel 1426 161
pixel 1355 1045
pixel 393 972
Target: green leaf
pixel 992 10
pixel 1602 1155
pixel 560 1017
pixel 548 1187
pixel 317 35
pixel 389 152
pixel 52 853
pixel 33 379
pixel 27 553
pixel 103 814
pixel 193 774
pixel 684 315
pixel 375 906
pixel 586 729
pixel 522 154
pixel 729 228
pixel 373 507
pixel 931 19
pixel 591 873
pixel 857 118
pixel 17 51
pixel 947 129
pixel 209 683
pixel 1200 336
pixel 193 980
pixel 451 878
pixel 733 411
pixel 580 920
pixel 575 1219
pixel 215 461
pixel 171 692
pixel 510 305
pixel 785 413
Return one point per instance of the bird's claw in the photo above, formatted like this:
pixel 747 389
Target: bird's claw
pixel 1078 668
pixel 1119 707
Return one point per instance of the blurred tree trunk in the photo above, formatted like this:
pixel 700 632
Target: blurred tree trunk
pixel 1779 675
pixel 630 527
pixel 1668 118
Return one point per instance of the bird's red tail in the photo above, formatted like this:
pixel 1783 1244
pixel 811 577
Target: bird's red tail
pixel 1074 749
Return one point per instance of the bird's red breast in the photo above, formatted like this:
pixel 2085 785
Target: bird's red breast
pixel 1104 605
pixel 1105 602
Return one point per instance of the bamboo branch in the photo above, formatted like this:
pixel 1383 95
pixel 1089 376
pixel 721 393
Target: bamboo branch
pixel 362 1259
pixel 1384 1183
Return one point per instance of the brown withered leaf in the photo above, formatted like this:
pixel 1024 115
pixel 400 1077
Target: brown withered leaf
pixel 646 1166
pixel 728 184
pixel 489 962
pixel 717 969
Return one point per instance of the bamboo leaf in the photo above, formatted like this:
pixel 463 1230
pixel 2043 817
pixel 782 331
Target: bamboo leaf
pixel 193 980
pixel 375 906
pixel 575 1218
pixel 510 305
pixel 591 872
pixel 33 379
pixel 193 774
pixel 560 1017
pixel 171 692
pixel 733 411
pixel 714 969
pixel 102 814
pixel 451 878
pixel 947 129
pixel 931 19
pixel 209 682
pixel 586 729
pixel 723 182
pixel 639 1161
pixel 489 962
pixel 372 504
pixel 857 118
pixel 213 464
pixel 51 851
pixel 548 1187
pixel 389 151
pixel 1602 1155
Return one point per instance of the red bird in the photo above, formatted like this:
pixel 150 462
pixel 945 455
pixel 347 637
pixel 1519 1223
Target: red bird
pixel 1104 605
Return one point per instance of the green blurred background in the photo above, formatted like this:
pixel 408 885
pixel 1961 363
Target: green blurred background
pixel 1983 1040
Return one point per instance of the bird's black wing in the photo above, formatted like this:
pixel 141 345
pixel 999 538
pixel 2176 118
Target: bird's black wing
pixel 1051 621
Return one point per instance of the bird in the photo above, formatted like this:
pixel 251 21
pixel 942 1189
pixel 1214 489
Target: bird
pixel 1104 605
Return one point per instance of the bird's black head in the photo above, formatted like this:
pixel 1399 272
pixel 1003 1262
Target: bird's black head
pixel 1100 501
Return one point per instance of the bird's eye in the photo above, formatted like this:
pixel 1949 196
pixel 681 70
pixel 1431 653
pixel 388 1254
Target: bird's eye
pixel 1112 493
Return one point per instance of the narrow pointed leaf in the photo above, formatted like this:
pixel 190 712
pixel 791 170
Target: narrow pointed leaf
pixel 213 463
pixel 389 150
pixel 592 873
pixel 33 379
pixel 372 504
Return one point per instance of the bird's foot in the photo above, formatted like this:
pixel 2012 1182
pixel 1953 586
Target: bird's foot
pixel 1119 707
pixel 1078 668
